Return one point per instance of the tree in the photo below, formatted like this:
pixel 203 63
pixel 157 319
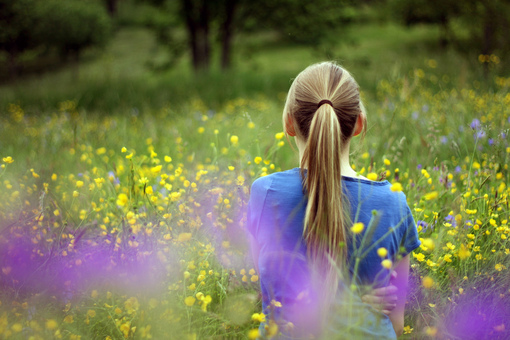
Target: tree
pixel 302 21
pixel 440 12
pixel 487 22
pixel 17 18
pixel 68 26
pixel 73 25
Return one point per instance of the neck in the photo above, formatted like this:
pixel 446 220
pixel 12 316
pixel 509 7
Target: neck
pixel 345 164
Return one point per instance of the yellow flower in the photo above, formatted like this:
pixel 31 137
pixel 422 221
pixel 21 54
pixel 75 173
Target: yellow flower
pixel 463 252
pixel 372 176
pixel 357 227
pixel 408 330
pixel 420 257
pixel 201 129
pixel 499 267
pixel 387 162
pixel 259 317
pixel 205 301
pixel 122 199
pixel 279 135
pixel 257 160
pixel 51 324
pixel 254 278
pixel 253 334
pixel 431 196
pixel 427 282
pixel 234 139
pixel 183 237
pixel 8 160
pixel 189 301
pixel 251 125
pixel 396 187
pixel 123 149
pixel 240 180
pixel 386 264
pixel 431 331
pixel 382 252
pixel 79 184
pixel 156 169
pixel 428 243
pixel 17 327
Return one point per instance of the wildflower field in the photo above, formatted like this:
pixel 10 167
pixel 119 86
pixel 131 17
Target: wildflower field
pixel 131 225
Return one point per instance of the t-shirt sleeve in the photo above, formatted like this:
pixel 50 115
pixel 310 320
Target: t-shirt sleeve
pixel 258 195
pixel 410 240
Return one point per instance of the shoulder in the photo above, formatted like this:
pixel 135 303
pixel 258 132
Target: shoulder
pixel 277 181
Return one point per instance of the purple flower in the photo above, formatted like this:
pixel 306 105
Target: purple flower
pixel 415 115
pixel 424 225
pixel 443 139
pixel 491 141
pixel 451 219
pixel 425 108
pixel 458 169
pixel 419 166
pixel 475 124
pixel 479 134
pixel 111 174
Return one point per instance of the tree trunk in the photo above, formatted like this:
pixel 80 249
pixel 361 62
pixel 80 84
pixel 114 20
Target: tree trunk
pixel 488 38
pixel 112 6
pixel 443 40
pixel 197 18
pixel 227 34
pixel 13 64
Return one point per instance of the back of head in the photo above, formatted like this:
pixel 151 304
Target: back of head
pixel 322 108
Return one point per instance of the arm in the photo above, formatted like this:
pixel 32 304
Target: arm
pixel 397 315
pixel 390 300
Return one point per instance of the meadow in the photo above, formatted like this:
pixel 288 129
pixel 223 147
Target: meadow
pixel 124 221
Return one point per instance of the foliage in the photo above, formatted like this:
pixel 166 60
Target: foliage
pixel 306 22
pixel 16 28
pixel 71 26
pixel 474 25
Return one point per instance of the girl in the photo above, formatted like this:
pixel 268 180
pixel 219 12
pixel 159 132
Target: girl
pixel 320 232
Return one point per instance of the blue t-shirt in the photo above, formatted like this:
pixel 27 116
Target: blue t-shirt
pixel 276 214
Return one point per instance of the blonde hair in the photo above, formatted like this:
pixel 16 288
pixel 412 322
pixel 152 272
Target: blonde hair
pixel 326 130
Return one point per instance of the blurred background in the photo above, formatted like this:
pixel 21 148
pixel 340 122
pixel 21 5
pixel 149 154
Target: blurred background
pixel 111 55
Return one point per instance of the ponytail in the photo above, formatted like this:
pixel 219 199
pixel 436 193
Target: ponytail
pixel 325 220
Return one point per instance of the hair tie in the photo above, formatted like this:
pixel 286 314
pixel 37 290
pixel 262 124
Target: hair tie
pixel 324 101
